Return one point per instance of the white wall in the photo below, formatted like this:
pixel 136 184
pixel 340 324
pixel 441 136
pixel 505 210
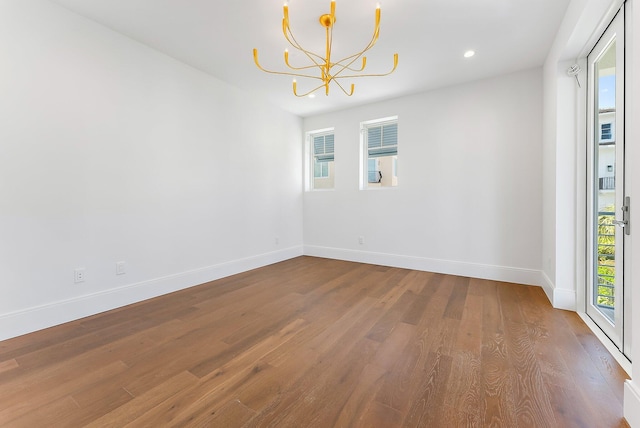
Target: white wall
pixel 469 195
pixel 111 151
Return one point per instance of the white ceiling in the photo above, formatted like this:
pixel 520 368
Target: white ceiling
pixel 430 37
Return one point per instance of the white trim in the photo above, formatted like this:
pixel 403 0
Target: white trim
pixel 51 314
pixel 632 403
pixel 383 121
pixel 547 286
pixel 564 299
pixel 449 267
pixel 560 298
pixel 601 27
pixel 613 350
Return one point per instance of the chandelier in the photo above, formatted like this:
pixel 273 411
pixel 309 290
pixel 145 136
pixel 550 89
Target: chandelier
pixel 327 70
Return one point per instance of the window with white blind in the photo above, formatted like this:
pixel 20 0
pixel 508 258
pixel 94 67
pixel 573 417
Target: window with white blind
pixel 322 145
pixel 606 132
pixel 380 151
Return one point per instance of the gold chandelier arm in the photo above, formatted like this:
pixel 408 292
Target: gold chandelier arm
pixel 350 59
pixel 343 90
pixel 308 67
pixel 347 66
pixel 372 42
pixel 295 90
pixel 355 70
pixel 284 73
pixel 395 65
pixel 288 35
pixel 353 58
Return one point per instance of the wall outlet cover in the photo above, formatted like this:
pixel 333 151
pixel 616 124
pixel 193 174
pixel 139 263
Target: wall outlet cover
pixel 120 268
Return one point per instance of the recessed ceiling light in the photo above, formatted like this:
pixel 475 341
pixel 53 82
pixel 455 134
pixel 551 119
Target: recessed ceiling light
pixel 469 54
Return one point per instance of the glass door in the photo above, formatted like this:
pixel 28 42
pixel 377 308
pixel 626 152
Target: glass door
pixel 608 208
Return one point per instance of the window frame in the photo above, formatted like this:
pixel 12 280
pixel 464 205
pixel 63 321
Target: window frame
pixel 311 159
pixel 364 151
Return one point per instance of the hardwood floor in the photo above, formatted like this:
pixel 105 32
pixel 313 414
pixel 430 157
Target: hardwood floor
pixel 318 343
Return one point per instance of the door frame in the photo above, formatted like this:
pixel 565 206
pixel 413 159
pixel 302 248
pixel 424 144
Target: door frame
pixel 614 329
pixel 581 110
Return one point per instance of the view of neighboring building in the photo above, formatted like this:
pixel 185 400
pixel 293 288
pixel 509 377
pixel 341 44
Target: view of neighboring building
pixel 606 158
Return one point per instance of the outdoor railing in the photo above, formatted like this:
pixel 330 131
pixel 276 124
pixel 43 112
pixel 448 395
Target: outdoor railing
pixel 606 262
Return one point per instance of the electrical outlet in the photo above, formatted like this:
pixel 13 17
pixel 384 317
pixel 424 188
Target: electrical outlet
pixel 361 240
pixel 120 268
pixel 78 275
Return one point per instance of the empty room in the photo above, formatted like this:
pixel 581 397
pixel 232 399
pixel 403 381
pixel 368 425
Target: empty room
pixel 322 213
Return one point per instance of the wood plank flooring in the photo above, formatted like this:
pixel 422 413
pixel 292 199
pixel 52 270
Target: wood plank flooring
pixel 313 342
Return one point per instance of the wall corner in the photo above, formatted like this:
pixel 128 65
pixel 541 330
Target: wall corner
pixel 560 298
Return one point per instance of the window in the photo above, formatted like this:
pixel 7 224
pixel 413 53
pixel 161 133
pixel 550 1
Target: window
pixel 380 151
pixel 605 131
pixel 320 169
pixel 322 157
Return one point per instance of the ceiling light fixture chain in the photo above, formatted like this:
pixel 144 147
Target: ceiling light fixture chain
pixel 329 71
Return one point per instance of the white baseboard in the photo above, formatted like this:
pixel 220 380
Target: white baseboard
pixel 547 286
pixel 55 313
pixel 632 403
pixel 564 299
pixel 560 298
pixel 449 267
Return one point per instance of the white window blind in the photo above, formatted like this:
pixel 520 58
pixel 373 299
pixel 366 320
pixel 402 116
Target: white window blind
pixel 323 148
pixel 382 140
